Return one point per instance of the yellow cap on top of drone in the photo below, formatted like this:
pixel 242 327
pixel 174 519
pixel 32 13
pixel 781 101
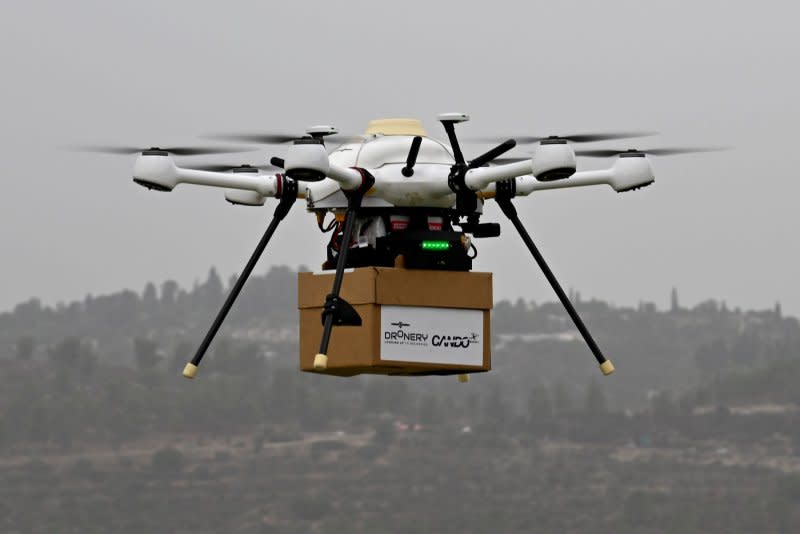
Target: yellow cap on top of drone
pixel 396 127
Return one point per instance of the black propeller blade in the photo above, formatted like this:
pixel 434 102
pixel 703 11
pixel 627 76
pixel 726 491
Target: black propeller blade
pixel 504 161
pixel 574 138
pixel 221 167
pixel 175 150
pixel 274 138
pixel 608 153
pixel 466 199
pixel 260 138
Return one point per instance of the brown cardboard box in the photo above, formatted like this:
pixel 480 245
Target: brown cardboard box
pixel 414 322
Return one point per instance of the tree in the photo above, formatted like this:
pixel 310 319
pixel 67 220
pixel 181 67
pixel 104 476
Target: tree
pixel 539 404
pixel 561 400
pixel 745 349
pixel 662 405
pixel 383 395
pixel 5 435
pixel 25 346
pixel 384 433
pixel 212 290
pixel 639 508
pixel 713 357
pixel 67 352
pixel 496 409
pixel 223 347
pixel 430 411
pixel 149 297
pixel 169 292
pixel 183 353
pixel 146 353
pixel 29 310
pixel 595 398
pixel 168 461
pixel 674 305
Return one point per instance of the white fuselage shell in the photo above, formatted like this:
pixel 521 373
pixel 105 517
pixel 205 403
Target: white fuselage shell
pixel 385 156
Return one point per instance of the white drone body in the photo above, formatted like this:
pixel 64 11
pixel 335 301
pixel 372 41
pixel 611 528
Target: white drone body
pixel 383 152
pixel 397 194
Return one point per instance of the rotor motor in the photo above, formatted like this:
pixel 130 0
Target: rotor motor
pixel 554 159
pixel 631 170
pixel 241 196
pixel 154 169
pixel 307 160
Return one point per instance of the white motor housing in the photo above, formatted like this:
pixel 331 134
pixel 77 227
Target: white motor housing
pixel 553 160
pixel 244 198
pixel 632 170
pixel 307 160
pixel 154 169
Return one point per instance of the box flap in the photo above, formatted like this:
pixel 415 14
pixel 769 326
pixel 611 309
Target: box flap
pixel 358 287
pixel 450 289
pixel 402 287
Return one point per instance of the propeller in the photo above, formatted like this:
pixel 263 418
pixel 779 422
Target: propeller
pixel 466 199
pixel 260 138
pixel 608 153
pixel 222 167
pixel 574 138
pixel 272 138
pixel 493 154
pixel 503 161
pixel 175 150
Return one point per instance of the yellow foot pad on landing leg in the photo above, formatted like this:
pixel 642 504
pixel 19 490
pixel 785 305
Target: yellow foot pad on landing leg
pixel 320 362
pixel 607 367
pixel 190 370
pixel 463 378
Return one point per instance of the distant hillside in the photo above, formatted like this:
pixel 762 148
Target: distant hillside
pixel 776 383
pixel 699 426
pixel 535 345
pixel 167 315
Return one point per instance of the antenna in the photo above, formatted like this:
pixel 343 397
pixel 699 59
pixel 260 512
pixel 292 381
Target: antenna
pixel 408 170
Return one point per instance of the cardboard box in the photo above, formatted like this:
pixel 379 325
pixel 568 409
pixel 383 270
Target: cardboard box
pixel 414 322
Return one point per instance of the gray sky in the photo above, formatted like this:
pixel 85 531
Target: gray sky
pixel 719 225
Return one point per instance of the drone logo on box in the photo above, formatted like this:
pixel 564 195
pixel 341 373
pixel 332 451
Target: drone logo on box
pixel 432 335
pixel 400 336
pixel 403 337
pixel 462 342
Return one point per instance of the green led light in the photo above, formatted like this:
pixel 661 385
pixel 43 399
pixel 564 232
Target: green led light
pixel 435 245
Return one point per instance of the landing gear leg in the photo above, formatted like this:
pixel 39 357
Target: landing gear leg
pixel 287 200
pixel 337 311
pixel 506 190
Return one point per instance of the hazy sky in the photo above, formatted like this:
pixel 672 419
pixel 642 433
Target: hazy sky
pixel 720 225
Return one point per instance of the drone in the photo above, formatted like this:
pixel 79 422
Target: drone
pixel 397 196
